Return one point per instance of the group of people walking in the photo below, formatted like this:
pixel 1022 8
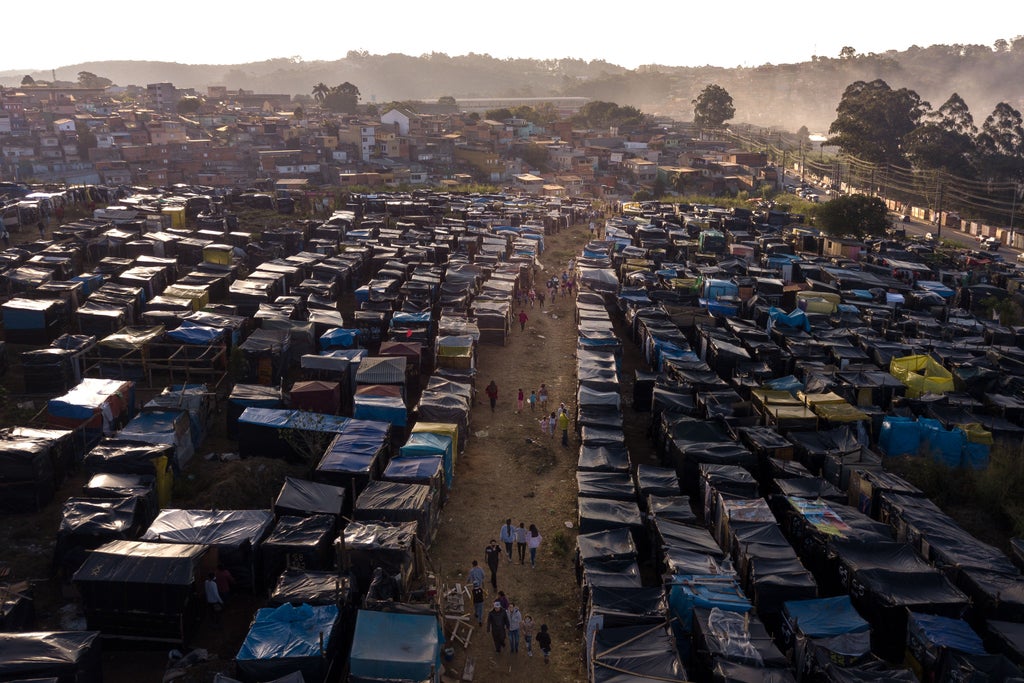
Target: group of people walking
pixel 505 620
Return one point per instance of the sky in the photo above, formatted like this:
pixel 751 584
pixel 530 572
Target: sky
pixel 666 32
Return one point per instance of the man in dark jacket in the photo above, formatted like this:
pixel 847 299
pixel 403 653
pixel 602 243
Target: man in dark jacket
pixel 497 625
pixel 492 553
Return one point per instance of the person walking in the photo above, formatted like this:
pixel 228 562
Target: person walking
pixel 520 534
pixel 520 398
pixel 478 604
pixel 533 539
pixel 542 396
pixel 492 554
pixel 553 421
pixel 526 630
pixel 497 626
pixel 515 622
pixel 533 400
pixel 544 642
pixel 492 394
pixel 224 581
pixel 563 424
pixel 522 319
pixel 508 537
pixel 532 295
pixel 214 602
pixel 476 574
pixel 5 236
pixel 540 297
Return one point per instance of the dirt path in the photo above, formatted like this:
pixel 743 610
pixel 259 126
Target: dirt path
pixel 509 470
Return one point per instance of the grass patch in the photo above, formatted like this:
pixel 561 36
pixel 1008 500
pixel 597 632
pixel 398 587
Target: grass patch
pixel 560 544
pixel 989 503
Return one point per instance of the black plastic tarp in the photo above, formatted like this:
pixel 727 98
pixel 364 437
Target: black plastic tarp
pixel 609 485
pixel 610 544
pixel 603 458
pixel 88 523
pixel 26 474
pixel 673 508
pixel 656 481
pixel 235 533
pixel 627 606
pixel 143 591
pixel 298 543
pixel 367 545
pixel 629 654
pixel 62 656
pixel 598 514
pixel 298 586
pixel 396 502
pixel 300 497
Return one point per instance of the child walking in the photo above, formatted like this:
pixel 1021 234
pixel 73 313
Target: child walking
pixel 533 399
pixel 544 642
pixel 519 402
pixel 527 631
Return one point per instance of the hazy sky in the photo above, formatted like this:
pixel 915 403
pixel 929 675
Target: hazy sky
pixel 669 32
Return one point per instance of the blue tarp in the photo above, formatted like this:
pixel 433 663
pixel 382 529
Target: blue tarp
pixel 788 383
pixel 287 637
pixel 825 617
pixel 796 320
pixel 355 449
pixel 167 426
pixel 935 631
pixel 945 446
pixel 422 444
pixel 899 436
pixel 199 335
pixel 389 409
pixel 280 418
pixel 339 338
pixel 713 590
pixel 393 646
pixel 414 470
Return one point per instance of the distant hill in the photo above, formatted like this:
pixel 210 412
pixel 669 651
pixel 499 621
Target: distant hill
pixel 784 96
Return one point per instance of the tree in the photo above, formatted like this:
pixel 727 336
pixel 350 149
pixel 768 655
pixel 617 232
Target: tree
pixel 945 139
pixel 320 92
pixel 342 98
pixel 87 79
pixel 86 140
pixel 1000 144
pixel 847 53
pixel 27 81
pixel 189 105
pixel 447 99
pixel 713 107
pixel 872 119
pixel 298 112
pixel 855 214
pixel 500 114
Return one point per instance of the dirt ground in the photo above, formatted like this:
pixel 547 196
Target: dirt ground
pixel 509 470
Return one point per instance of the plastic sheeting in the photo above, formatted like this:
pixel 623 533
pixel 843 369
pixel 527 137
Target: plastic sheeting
pixel 286 638
pixel 394 646
pixel 60 656
pixel 304 498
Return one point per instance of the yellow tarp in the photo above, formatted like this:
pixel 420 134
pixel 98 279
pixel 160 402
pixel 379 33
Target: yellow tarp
pixel 922 375
pixel 818 302
pixel 839 412
pixel 448 429
pixel 812 400
pixel 976 433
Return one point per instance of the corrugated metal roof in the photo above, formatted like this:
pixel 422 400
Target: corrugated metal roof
pixel 381 370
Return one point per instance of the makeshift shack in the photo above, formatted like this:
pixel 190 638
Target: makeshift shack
pixel 135 590
pixel 396 647
pixel 236 534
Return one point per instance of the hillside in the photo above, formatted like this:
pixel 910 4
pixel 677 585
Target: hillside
pixel 771 95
